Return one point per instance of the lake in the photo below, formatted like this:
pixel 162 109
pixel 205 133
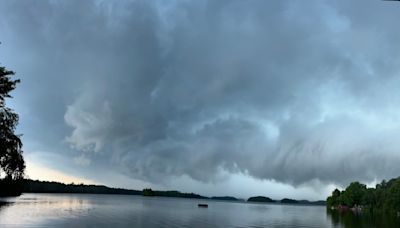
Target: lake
pixel 87 210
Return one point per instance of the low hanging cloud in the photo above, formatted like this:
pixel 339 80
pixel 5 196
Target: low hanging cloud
pixel 289 91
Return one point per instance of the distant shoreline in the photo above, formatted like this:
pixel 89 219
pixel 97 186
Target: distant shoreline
pixel 36 186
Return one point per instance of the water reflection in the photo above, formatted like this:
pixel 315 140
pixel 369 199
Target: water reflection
pixel 33 210
pixel 86 210
pixel 351 220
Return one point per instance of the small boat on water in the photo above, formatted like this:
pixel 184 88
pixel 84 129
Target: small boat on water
pixel 202 205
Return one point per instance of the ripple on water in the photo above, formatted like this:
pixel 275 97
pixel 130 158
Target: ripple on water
pixel 85 210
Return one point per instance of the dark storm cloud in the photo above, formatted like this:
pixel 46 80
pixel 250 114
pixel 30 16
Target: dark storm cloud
pixel 281 90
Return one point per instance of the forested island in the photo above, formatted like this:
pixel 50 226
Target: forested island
pixel 289 201
pixel 263 199
pixel 226 198
pixel 384 198
pixel 260 199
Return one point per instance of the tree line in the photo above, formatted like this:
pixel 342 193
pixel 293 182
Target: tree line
pixel 36 186
pixel 385 197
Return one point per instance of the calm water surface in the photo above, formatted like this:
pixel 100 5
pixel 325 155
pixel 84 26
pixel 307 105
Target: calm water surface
pixel 85 210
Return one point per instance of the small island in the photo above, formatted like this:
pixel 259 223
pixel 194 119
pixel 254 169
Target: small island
pixel 264 199
pixel 261 199
pixel 289 201
pixel 225 198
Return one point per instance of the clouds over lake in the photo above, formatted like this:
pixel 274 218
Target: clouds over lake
pixel 286 91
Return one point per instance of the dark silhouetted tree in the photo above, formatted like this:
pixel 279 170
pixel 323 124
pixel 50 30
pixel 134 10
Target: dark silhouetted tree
pixel 354 194
pixel 333 200
pixel 12 164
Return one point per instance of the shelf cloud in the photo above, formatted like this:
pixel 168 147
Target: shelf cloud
pixel 277 90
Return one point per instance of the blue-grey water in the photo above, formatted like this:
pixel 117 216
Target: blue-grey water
pixel 86 210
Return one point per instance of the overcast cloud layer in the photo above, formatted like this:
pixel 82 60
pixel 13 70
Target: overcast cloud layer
pixel 291 91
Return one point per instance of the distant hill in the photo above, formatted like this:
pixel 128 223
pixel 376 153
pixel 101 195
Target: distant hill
pixel 150 192
pixel 290 201
pixel 227 198
pixel 35 186
pixel 260 199
pixel 264 199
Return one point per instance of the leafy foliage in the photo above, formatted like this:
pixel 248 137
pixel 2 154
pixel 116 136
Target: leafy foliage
pixel 385 197
pixel 11 160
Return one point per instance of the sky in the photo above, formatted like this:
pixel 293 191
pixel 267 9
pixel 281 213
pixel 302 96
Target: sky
pixel 274 98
